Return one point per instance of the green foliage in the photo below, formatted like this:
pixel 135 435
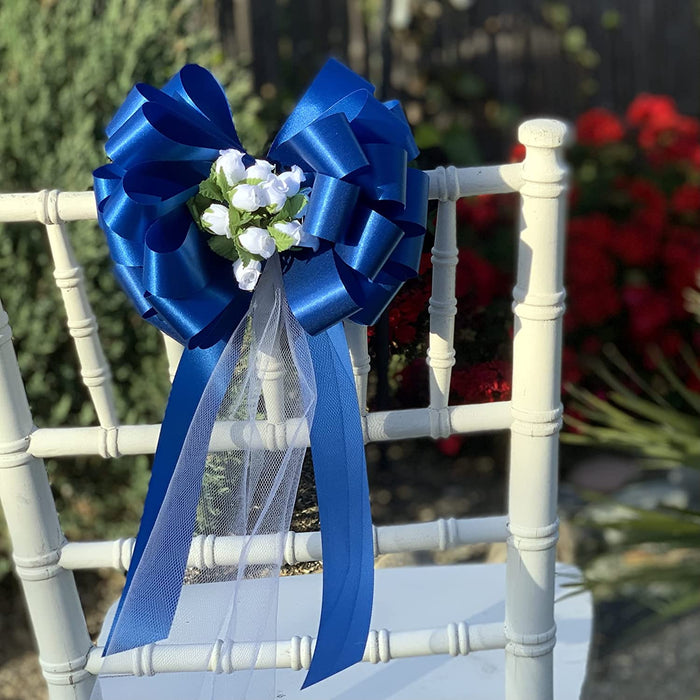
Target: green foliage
pixel 282 240
pixel 224 247
pixel 657 555
pixel 656 560
pixel 291 208
pixel 66 67
pixel 662 427
pixel 211 190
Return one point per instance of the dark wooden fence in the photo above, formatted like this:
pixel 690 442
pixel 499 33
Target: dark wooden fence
pixel 527 53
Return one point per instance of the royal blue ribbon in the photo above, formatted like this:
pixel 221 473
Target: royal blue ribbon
pixel 367 210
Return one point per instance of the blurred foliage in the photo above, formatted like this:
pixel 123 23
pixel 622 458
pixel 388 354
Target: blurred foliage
pixel 655 557
pixel 66 66
pixel 650 425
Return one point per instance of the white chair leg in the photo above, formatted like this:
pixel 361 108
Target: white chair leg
pixel 52 598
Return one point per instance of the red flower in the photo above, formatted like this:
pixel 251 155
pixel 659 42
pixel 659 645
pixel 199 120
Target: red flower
pixel 574 195
pixel 590 278
pixel 671 343
pixel 647 109
pixel 588 265
pixel 649 311
pixel 648 202
pixel 663 132
pixel 636 245
pixel 682 140
pixel 591 345
pixel 483 383
pixel 599 126
pixel 570 370
pixel 426 263
pixel 681 256
pixel 596 229
pixel 404 334
pixel 591 306
pixel 517 153
pixel 406 309
pixel 686 199
pixel 477 278
pixel 450 446
pixel 479 212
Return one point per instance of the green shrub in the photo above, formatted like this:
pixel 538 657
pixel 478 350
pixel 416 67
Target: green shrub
pixel 66 66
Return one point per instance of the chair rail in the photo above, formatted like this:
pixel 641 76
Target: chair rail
pixel 380 426
pixel 455 639
pixel 210 551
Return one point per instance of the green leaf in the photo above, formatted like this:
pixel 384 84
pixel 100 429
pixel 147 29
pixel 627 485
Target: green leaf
pixel 224 247
pixel 664 417
pixel 282 240
pixel 291 208
pixel 194 212
pixel 222 183
pixel 234 219
pixel 690 397
pixel 245 255
pixel 197 205
pixel 210 189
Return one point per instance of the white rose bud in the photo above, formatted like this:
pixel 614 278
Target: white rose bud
pixel 248 197
pixel 258 241
pixel 215 218
pixel 247 275
pixel 292 180
pixel 262 170
pixel 290 228
pixel 275 194
pixel 306 240
pixel 230 162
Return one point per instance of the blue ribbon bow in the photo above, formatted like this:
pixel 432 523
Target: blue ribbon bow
pixel 367 209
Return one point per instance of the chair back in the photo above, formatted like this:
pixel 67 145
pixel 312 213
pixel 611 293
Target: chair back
pixel 44 561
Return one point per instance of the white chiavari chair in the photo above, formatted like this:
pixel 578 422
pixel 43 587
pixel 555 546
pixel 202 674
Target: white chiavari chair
pixel 459 631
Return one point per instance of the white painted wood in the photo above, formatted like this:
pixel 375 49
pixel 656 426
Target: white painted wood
pixel 442 308
pixel 271 374
pixel 536 406
pixel 446 647
pixel 81 321
pixel 30 206
pixel 50 592
pixel 78 206
pixel 382 646
pixel 382 426
pixel 521 619
pixel 211 551
pixel 453 183
pixel 356 336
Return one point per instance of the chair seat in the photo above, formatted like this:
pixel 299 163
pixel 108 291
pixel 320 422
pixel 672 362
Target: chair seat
pixel 405 598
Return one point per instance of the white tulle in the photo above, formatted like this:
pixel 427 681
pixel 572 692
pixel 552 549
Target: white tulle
pixel 267 370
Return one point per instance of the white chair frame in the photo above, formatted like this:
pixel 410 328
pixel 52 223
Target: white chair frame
pixel 44 561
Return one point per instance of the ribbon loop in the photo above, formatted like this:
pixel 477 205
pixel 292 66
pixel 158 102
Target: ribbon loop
pixel 330 207
pixel 369 242
pixel 197 87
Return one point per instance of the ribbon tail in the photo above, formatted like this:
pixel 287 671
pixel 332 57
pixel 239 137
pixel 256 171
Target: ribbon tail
pixel 147 605
pixel 250 489
pixel 337 448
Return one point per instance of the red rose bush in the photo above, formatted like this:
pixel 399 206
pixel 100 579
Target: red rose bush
pixel 633 250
